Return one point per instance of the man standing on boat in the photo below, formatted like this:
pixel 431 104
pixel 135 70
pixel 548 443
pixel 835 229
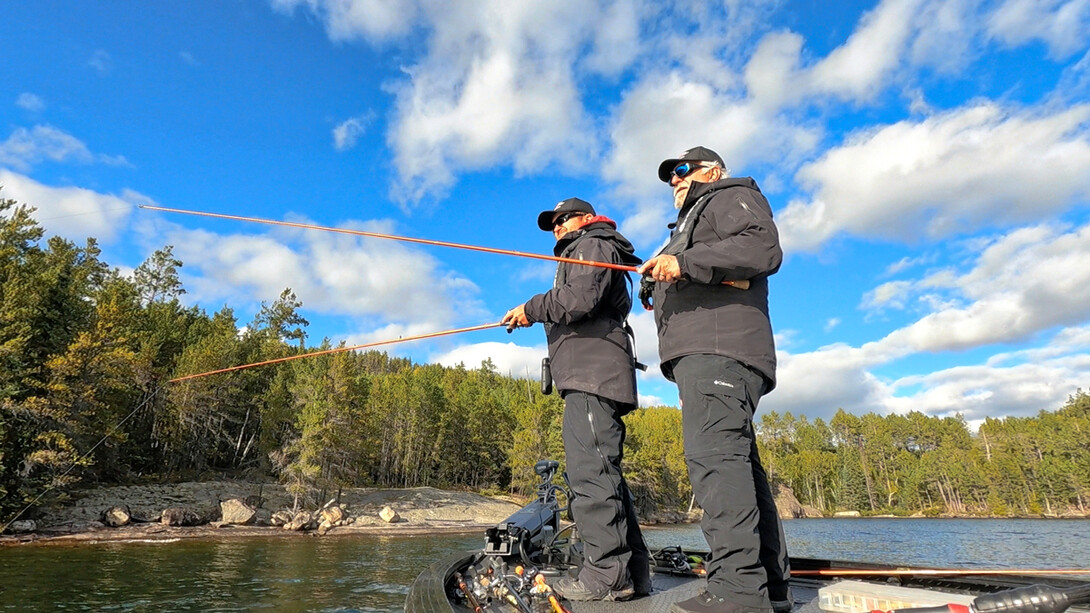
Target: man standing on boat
pixel 715 342
pixel 593 365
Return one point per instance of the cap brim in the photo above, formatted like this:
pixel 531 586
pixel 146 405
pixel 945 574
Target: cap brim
pixel 545 220
pixel 666 168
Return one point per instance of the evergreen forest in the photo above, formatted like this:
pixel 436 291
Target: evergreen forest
pixel 87 355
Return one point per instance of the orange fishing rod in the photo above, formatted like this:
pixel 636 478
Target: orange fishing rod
pixel 4 526
pixel 935 572
pixel 742 284
pixel 336 350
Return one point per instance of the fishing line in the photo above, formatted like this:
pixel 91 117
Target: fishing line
pixel 232 369
pixel 79 459
pixel 337 350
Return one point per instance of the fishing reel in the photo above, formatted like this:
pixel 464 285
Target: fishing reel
pixel 647 289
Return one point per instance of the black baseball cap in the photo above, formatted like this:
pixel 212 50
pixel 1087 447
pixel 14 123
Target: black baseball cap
pixel 571 205
pixel 696 154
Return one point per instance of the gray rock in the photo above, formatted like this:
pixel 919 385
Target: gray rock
pixel 303 520
pixel 281 518
pixel 389 515
pixel 237 512
pixel 118 516
pixel 177 516
pixel 23 526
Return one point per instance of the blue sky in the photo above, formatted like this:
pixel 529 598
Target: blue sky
pixel 928 162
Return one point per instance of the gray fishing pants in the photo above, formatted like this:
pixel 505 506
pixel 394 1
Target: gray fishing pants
pixel 614 553
pixel 748 563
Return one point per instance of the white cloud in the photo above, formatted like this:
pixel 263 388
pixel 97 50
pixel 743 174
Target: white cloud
pixel 820 382
pixel 371 20
pixel 27 148
pixel 349 131
pixel 911 180
pixel 1011 294
pixel 497 86
pixel 30 102
pixel 772 73
pixel 1062 25
pixel 861 66
pixel 510 359
pixel 892 294
pixel 650 400
pixel 72 212
pixel 982 391
pixel 330 273
pixel 100 61
pixel 1019 384
pixel 741 131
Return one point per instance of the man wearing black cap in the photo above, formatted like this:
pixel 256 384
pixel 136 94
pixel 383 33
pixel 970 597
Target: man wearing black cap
pixel 715 342
pixel 594 368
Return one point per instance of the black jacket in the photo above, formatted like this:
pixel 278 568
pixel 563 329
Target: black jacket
pixel 733 238
pixel 584 314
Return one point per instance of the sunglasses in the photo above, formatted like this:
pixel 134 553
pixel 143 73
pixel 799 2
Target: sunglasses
pixel 687 168
pixel 563 219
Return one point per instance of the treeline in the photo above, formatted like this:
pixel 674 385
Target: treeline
pixel 908 464
pixel 87 355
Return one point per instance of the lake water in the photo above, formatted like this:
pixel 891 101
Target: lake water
pixel 371 574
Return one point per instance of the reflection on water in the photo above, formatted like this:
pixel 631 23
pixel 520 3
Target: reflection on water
pixel 373 574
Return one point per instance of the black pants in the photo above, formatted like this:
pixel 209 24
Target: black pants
pixel 613 548
pixel 748 563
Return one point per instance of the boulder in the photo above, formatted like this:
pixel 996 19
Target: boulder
pixel 333 515
pixel 178 516
pixel 302 520
pixel 281 518
pixel 789 506
pixel 264 517
pixel 237 512
pixel 118 516
pixel 389 515
pixel 329 517
pixel 22 526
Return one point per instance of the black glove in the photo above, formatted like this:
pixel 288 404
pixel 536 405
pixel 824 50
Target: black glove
pixel 647 288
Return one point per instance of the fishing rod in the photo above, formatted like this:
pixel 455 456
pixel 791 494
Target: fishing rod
pixel 1030 599
pixel 4 526
pixel 933 572
pixel 336 350
pixel 740 284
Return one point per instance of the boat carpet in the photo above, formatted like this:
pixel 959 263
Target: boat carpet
pixel 669 589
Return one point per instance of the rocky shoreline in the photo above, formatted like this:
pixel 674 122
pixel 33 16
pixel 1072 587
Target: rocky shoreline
pixel 207 510
pixel 152 509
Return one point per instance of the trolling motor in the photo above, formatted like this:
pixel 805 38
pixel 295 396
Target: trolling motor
pixel 520 551
pixel 531 532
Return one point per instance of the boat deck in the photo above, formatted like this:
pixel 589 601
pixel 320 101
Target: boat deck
pixel 429 594
pixel 669 589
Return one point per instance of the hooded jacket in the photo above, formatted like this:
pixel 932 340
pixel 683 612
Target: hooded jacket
pixel 585 311
pixel 732 237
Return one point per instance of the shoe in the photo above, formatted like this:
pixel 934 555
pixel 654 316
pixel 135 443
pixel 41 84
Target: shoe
pixel 709 603
pixel 782 606
pixel 573 589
